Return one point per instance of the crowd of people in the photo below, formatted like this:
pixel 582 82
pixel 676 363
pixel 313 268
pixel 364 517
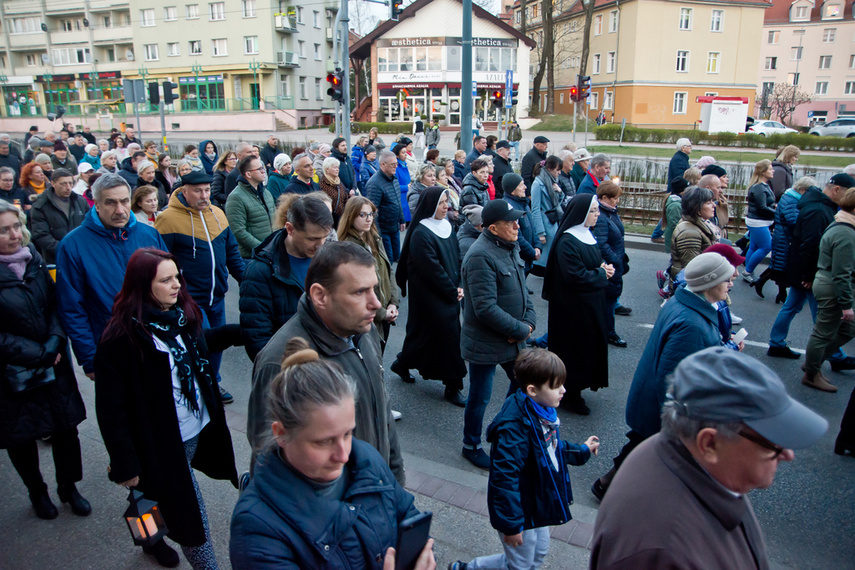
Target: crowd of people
pixel 143 253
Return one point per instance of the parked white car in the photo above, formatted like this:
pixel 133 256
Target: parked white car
pixel 837 128
pixel 765 128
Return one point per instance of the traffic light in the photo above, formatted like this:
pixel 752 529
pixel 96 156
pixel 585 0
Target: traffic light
pixel 574 93
pixel 153 93
pixel 497 97
pixel 396 7
pixel 514 94
pixel 336 81
pixel 584 87
pixel 169 94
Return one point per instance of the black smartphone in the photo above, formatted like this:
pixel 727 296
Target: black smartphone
pixel 413 534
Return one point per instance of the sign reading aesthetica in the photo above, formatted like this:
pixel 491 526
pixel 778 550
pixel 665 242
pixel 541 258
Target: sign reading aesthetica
pixel 426 42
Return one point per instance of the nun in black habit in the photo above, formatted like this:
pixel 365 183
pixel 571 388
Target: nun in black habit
pixel 575 286
pixel 430 264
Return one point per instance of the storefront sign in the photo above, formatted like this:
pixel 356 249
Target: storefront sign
pixel 411 85
pixel 448 41
pixel 101 75
pixel 55 78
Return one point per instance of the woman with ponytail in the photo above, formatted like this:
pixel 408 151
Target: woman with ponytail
pixel 157 402
pixel 318 497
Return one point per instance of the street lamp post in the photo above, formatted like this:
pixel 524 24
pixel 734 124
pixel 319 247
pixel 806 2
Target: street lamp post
pixel 48 78
pixel 254 66
pixel 3 80
pixel 197 69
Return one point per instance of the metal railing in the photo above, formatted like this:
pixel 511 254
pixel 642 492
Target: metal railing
pixel 288 58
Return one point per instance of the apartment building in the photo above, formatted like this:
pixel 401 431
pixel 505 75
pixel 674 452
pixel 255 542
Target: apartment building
pixel 225 56
pixel 811 45
pixel 650 60
pixel 72 53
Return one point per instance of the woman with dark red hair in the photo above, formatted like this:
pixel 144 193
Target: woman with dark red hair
pixel 157 403
pixel 33 179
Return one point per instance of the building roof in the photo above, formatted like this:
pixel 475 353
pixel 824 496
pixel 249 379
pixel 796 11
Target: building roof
pixel 779 13
pixel 362 48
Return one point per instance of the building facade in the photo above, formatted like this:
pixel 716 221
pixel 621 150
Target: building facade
pixel 650 60
pixel 417 71
pixel 225 56
pixel 810 45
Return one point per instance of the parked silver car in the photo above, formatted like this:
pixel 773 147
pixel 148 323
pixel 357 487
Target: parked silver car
pixel 837 128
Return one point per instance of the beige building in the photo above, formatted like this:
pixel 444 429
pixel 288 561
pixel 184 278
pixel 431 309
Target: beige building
pixel 810 44
pixel 650 59
pixel 226 56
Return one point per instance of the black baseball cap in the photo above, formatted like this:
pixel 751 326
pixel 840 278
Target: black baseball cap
pixel 842 179
pixel 499 210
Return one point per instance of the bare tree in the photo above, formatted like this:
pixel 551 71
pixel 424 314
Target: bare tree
pixel 784 99
pixel 546 59
pixel 586 37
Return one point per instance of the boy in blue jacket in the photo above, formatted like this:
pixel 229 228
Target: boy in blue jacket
pixel 529 487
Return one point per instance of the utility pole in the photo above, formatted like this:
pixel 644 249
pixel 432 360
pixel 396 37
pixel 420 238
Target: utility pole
pixel 336 54
pixel 466 102
pixel 345 66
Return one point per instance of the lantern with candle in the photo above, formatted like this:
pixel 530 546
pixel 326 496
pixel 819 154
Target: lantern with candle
pixel 144 520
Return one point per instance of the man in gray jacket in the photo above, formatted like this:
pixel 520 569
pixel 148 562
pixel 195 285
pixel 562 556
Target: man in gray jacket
pixel 498 316
pixel 336 317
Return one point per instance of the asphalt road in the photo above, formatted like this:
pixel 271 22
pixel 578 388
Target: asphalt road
pixel 806 515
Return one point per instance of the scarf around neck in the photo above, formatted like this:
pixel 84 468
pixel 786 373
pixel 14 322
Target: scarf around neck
pixel 17 262
pixel 843 217
pixel 189 363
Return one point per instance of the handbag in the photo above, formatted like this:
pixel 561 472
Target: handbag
pixel 22 379
pixel 625 264
pixel 556 212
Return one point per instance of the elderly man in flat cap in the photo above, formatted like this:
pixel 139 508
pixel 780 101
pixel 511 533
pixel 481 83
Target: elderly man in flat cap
pixel 680 499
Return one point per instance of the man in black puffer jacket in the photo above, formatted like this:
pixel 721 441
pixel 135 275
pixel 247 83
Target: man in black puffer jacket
pixel 385 192
pixel 346 172
pixel 56 212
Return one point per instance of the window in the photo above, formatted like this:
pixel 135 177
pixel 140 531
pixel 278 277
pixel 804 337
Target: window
pixel 793 78
pixel 773 36
pixel 610 62
pixel 598 25
pixel 299 14
pixel 195 47
pixel 832 11
pixel 318 93
pixel 170 14
pixel 301 48
pixel 801 13
pixel 613 21
pixel 247 8
pixel 192 12
pixel 768 87
pixel 561 98
pixel 316 19
pixel 25 26
pixel 517 18
pixel 147 18
pixel 821 88
pixel 608 100
pixel 217 11
pixel 849 88
pixel 680 102
pixel 108 23
pixel 685 18
pixel 594 100
pixel 796 53
pixel 713 59
pixel 151 52
pixel 173 49
pixel 31 59
pixel 71 56
pixel 68 25
pixel 682 61
pixel 111 55
pixel 717 21
pixel 771 63
pixel 828 35
pixel 250 44
pixel 318 52
pixel 303 89
pixel 596 65
pixel 219 47
pixel 852 61
pixel 825 62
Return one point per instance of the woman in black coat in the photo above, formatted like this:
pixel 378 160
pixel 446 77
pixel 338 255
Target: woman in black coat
pixel 430 262
pixel 575 286
pixel 158 407
pixel 610 238
pixel 32 348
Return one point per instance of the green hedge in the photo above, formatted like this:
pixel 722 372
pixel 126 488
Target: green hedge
pixel 384 128
pixel 745 140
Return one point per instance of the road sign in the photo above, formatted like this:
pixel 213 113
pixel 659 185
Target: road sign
pixel 810 114
pixel 474 88
pixel 134 91
pixel 509 88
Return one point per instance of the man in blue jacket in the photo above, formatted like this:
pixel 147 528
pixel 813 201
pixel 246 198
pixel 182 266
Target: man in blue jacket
pixel 384 191
pixel 91 263
pixel 198 235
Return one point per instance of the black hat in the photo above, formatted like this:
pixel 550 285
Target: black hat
pixel 503 144
pixel 510 182
pixel 45 143
pixel 34 128
pixel 369 149
pixel 541 139
pixel 678 185
pixel 714 169
pixel 842 179
pixel 196 177
pixel 499 210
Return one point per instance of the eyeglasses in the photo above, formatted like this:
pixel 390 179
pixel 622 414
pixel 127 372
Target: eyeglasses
pixel 366 215
pixel 763 442
pixel 260 169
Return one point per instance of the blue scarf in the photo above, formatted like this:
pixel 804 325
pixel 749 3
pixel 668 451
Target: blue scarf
pixel 548 414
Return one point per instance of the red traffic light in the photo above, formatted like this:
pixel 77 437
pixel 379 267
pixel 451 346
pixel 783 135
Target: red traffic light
pixel 333 79
pixel 574 93
pixel 497 94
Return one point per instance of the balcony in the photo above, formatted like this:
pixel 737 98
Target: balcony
pixel 286 59
pixel 285 23
pixel 28 42
pixel 20 7
pixel 115 34
pixel 68 7
pixel 107 5
pixel 330 34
